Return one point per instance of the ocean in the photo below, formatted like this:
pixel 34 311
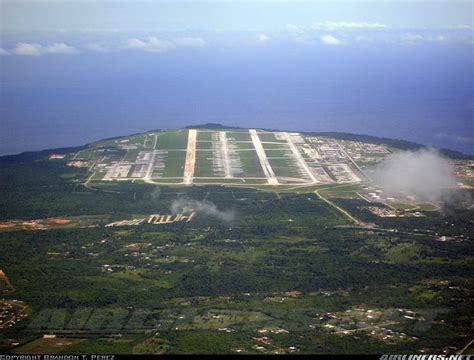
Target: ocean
pixel 421 93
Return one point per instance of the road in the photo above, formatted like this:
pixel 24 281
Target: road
pixel 466 347
pixel 262 157
pixel 341 210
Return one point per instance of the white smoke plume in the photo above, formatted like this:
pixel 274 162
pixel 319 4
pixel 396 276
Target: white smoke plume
pixel 155 194
pixel 203 208
pixel 424 173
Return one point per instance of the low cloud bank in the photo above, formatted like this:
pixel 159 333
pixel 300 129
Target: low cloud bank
pixel 205 208
pixel 347 25
pixel 423 173
pixel 156 45
pixel 33 49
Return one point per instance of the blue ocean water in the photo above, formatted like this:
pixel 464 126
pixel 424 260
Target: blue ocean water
pixel 420 93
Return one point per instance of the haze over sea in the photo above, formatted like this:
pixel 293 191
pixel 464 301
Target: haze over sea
pixel 65 87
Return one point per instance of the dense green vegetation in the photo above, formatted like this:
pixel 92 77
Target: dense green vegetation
pixel 250 260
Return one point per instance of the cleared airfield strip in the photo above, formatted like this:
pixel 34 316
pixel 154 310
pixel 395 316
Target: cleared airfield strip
pixel 298 156
pixel 190 157
pixel 262 157
pixel 225 154
pixel 149 171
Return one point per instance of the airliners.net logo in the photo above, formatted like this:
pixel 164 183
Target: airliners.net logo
pixel 427 357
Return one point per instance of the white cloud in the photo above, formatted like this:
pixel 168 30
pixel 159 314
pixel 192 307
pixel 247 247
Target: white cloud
pixel 424 173
pixel 439 38
pixel 34 49
pixel 190 42
pixel 59 48
pixel 27 49
pixel 263 37
pixel 3 52
pixel 413 39
pixel 461 27
pixel 153 44
pixel 330 40
pixel 156 45
pixel 292 27
pixel 347 25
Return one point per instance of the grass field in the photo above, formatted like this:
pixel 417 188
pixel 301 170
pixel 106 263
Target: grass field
pixel 283 165
pixel 205 135
pixel 238 136
pixel 251 164
pixel 428 207
pixel 87 155
pixel 47 346
pixel 98 175
pixel 174 164
pixel 219 181
pixel 102 346
pixel 271 146
pixel 136 140
pixel 269 137
pixel 204 145
pixel 244 145
pixel 274 153
pixel 335 190
pixel 403 206
pixel 176 180
pixel 173 140
pixel 131 154
pixel 204 167
pixel 284 171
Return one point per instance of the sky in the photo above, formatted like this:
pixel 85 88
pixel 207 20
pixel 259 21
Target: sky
pixel 119 15
pixel 389 68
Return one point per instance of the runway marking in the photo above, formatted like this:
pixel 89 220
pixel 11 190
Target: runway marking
pixel 225 154
pixel 149 172
pixel 190 157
